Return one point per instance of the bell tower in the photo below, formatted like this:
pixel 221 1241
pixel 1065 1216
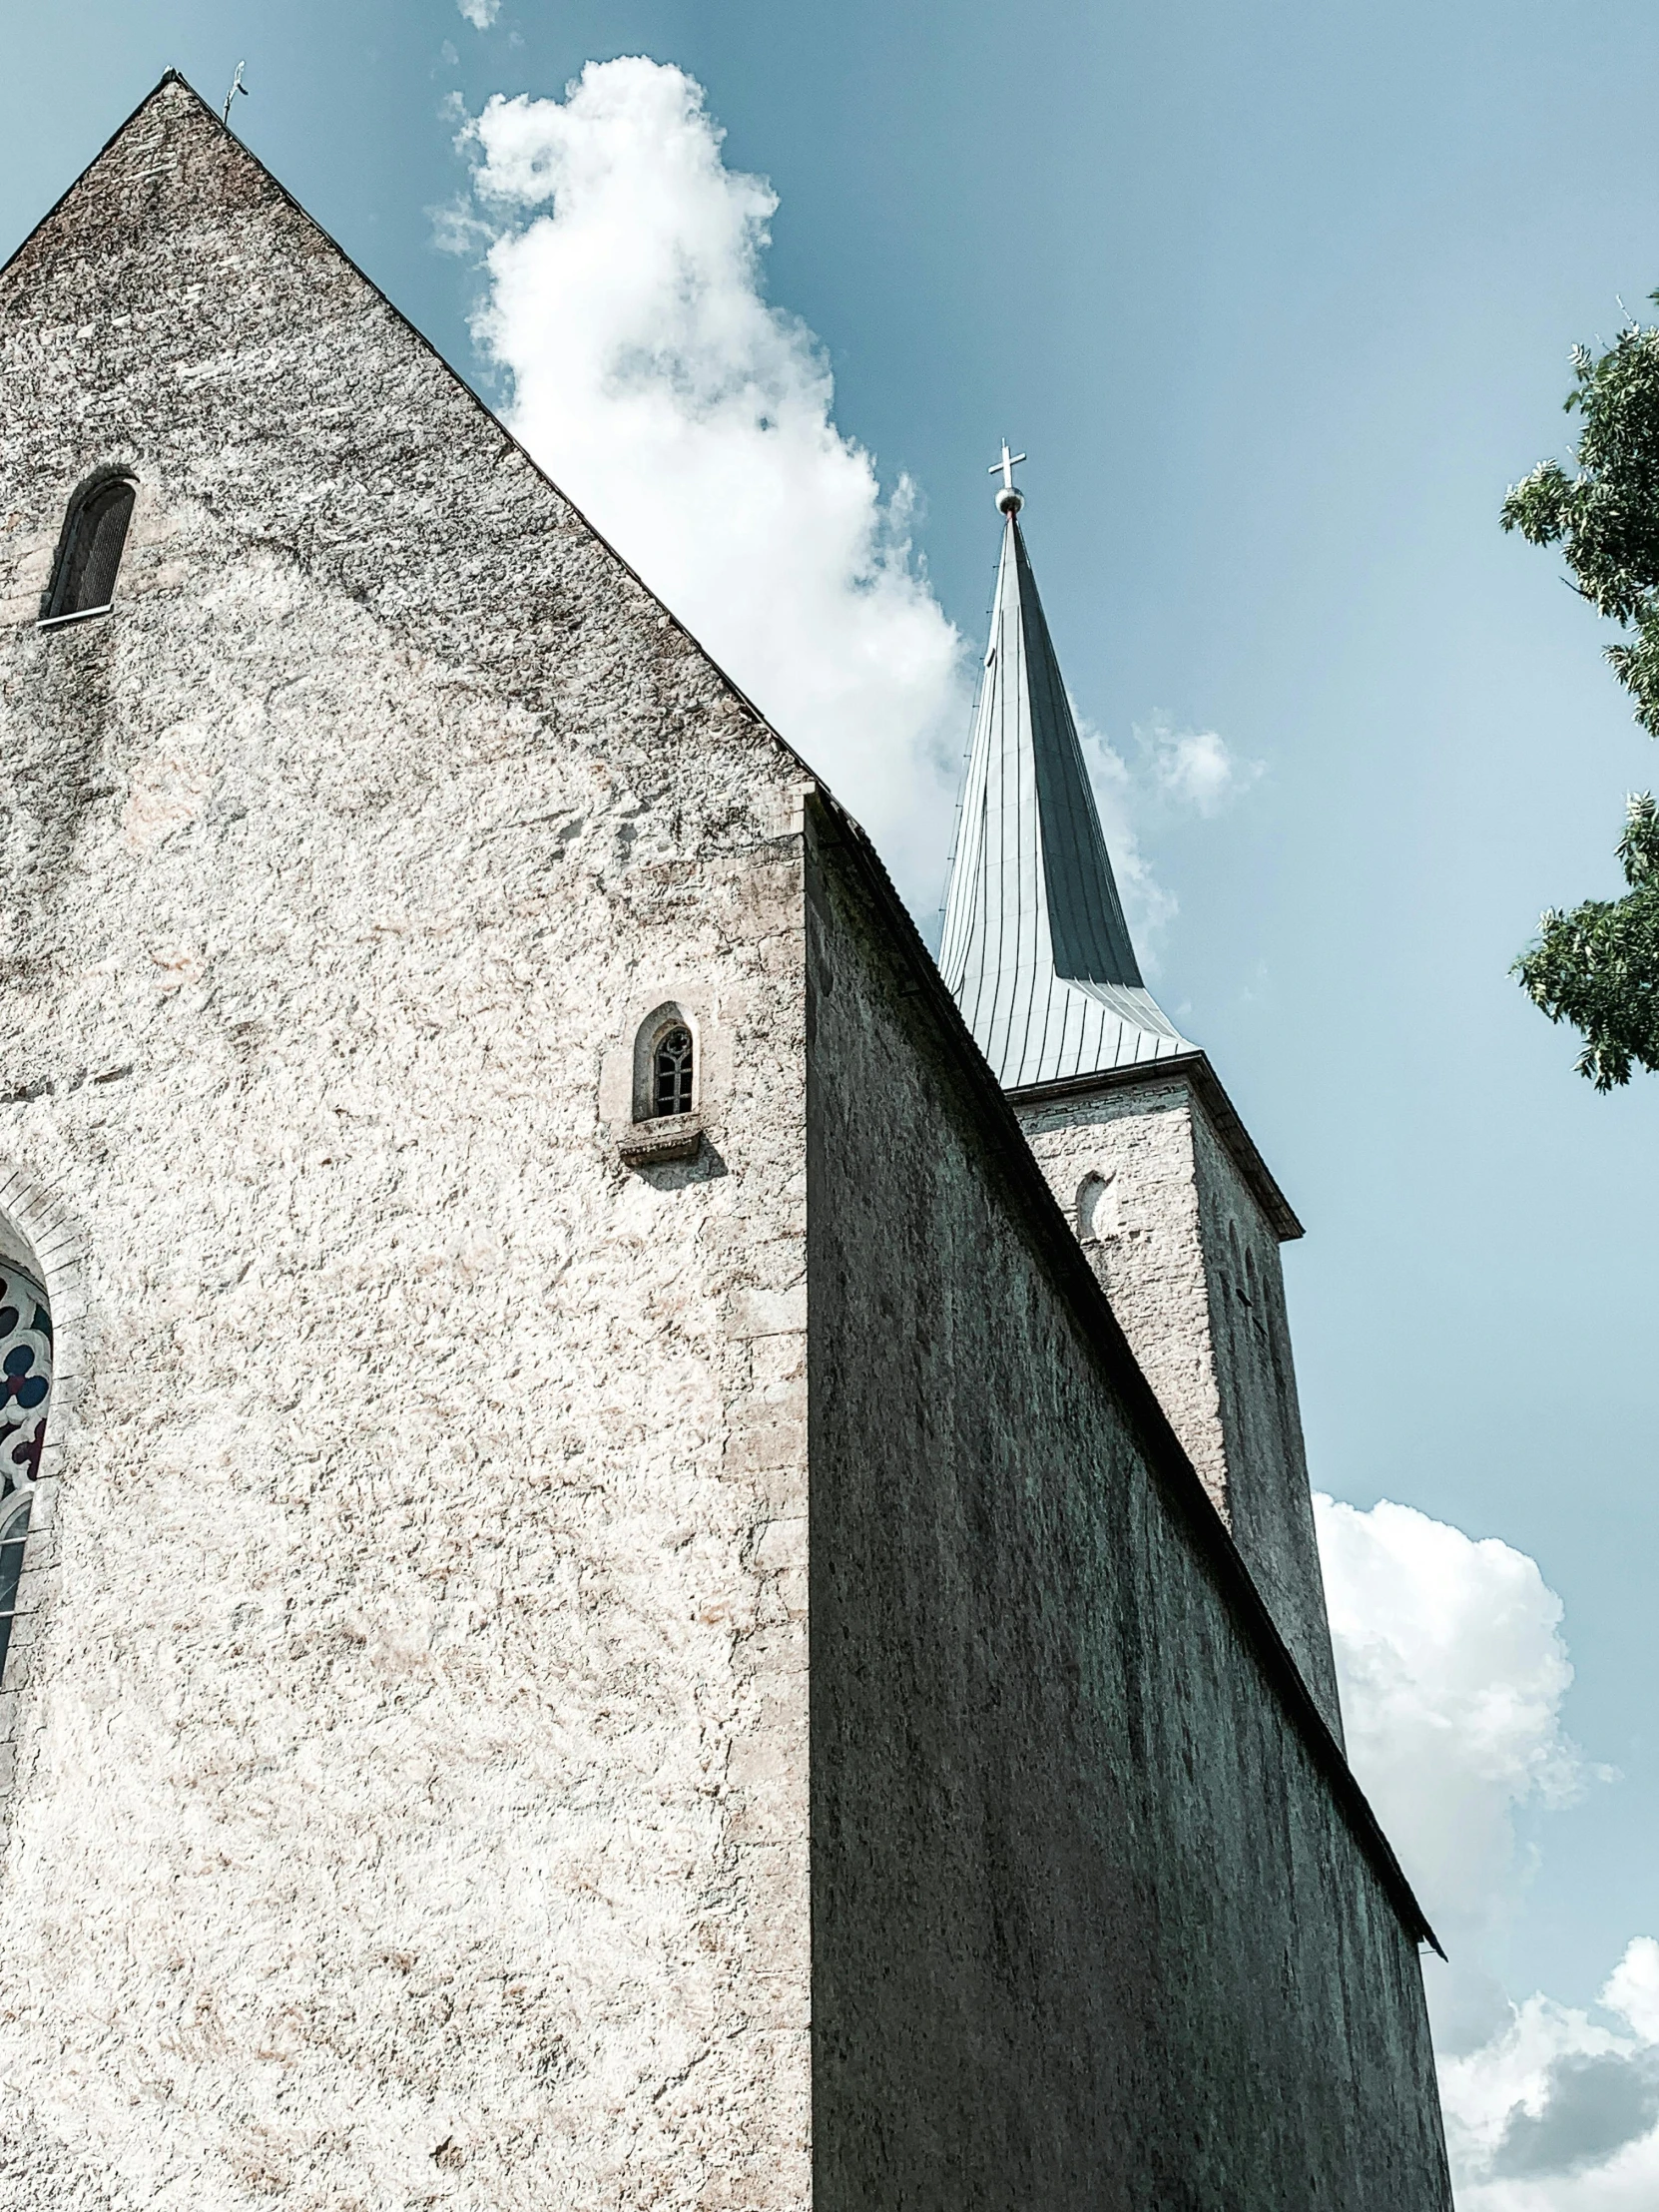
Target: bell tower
pixel 1172 1202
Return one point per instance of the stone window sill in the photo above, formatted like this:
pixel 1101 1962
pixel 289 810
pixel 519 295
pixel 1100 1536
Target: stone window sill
pixel 82 614
pixel 669 1136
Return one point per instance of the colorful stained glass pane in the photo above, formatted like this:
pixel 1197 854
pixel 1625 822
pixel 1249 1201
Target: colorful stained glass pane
pixel 25 1386
pixel 25 1376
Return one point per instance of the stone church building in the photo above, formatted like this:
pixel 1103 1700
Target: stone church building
pixel 651 1555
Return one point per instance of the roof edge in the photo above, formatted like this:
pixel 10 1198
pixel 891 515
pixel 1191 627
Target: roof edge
pixel 1236 1139
pixel 167 77
pixel 1104 1337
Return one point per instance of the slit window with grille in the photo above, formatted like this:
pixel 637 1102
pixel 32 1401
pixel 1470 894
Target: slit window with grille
pixel 672 1074
pixel 94 539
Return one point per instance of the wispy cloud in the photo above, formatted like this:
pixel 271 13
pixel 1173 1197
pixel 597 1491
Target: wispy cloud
pixel 1162 772
pixel 1121 794
pixel 479 13
pixel 694 423
pixel 1194 767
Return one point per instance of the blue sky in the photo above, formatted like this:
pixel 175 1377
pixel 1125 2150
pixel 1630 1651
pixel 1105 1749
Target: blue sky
pixel 1278 298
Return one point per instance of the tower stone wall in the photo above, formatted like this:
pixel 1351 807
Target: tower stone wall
pixel 1189 1256
pixel 1036 951
pixel 1145 1241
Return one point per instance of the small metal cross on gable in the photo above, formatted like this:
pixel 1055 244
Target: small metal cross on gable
pixel 1006 466
pixel 229 97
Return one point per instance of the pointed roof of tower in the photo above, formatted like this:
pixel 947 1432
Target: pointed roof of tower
pixel 1035 946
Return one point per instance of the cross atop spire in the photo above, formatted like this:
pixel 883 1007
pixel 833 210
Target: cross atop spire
pixel 1009 500
pixel 1035 946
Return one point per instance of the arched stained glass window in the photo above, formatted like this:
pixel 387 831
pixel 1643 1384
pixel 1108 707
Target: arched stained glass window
pixel 672 1072
pixel 25 1388
pixel 89 557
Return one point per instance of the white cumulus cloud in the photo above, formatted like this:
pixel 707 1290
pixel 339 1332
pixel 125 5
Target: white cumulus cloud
pixel 1559 2112
pixel 693 423
pixel 1453 1670
pixel 479 13
pixel 1633 1988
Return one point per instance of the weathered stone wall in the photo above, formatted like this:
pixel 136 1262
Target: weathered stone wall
pixel 411 1750
pixel 1209 1327
pixel 1095 1920
pixel 1146 1243
pixel 1272 1508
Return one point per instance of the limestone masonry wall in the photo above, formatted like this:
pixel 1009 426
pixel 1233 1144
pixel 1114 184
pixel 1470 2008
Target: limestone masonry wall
pixel 412 1781
pixel 1147 1247
pixel 1091 1926
pixel 1191 1264
pixel 1272 1508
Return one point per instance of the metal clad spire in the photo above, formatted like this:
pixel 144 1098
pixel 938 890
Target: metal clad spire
pixel 1035 946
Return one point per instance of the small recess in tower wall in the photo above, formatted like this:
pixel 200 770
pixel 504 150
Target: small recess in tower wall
pixel 1098 1214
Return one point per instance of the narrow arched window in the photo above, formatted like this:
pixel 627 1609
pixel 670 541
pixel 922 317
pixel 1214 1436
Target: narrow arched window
pixel 1253 1294
pixel 1097 1208
pixel 671 1088
pixel 89 554
pixel 25 1386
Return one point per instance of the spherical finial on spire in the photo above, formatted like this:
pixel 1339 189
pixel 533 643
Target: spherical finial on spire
pixel 1008 500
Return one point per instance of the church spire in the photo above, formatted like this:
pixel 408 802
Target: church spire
pixel 1035 946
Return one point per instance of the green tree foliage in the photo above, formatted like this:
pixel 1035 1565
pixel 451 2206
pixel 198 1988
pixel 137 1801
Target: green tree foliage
pixel 1597 967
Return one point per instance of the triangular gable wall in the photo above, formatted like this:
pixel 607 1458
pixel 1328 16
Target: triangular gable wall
pixel 192 274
